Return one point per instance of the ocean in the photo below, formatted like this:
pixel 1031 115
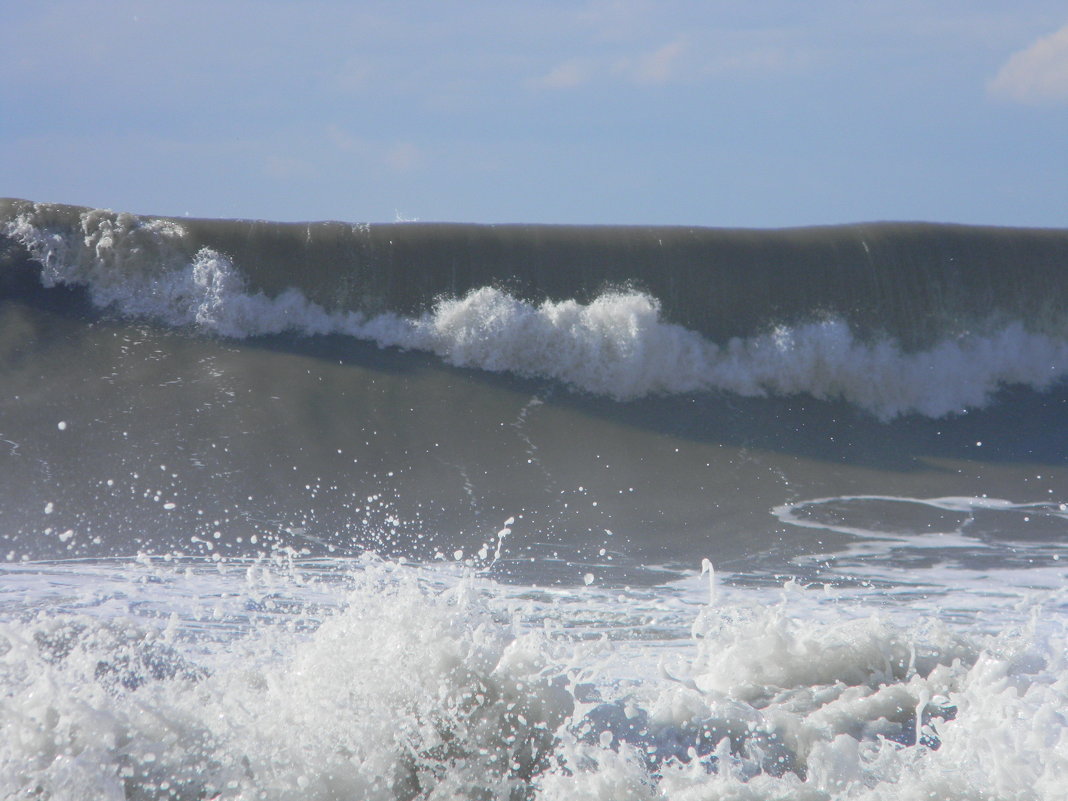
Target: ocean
pixel 447 511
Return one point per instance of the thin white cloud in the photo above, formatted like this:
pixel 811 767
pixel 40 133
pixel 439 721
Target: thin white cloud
pixel 354 76
pixel 1038 74
pixel 399 156
pixel 287 167
pixel 687 58
pixel 758 60
pixel 342 139
pixel 659 65
pixel 403 156
pixel 564 76
pixel 656 66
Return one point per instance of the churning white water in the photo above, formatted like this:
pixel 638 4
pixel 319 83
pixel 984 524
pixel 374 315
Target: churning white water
pixel 281 679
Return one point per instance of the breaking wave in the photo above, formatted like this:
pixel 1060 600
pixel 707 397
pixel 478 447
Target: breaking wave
pixel 618 344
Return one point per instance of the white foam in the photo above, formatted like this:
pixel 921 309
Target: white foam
pixel 833 708
pixel 848 514
pixel 617 345
pixel 392 682
pixel 401 690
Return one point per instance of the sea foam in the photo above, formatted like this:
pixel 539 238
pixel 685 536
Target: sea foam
pixel 396 682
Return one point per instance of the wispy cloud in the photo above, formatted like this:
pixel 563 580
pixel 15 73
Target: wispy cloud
pixel 397 155
pixel 1037 74
pixel 403 156
pixel 565 76
pixel 353 76
pixel 685 58
pixel 287 168
pixel 343 140
pixel 656 66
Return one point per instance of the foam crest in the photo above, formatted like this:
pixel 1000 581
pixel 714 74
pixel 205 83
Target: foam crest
pixel 618 345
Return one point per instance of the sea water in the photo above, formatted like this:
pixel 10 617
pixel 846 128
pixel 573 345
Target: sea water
pixel 330 511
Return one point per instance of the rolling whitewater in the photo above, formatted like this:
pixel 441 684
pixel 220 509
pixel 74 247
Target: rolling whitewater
pixel 448 511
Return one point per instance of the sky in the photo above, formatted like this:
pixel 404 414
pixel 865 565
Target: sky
pixel 753 113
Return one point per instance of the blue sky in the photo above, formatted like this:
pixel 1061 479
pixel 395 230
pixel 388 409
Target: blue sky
pixel 754 113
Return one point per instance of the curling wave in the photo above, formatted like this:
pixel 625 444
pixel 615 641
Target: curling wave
pixel 617 344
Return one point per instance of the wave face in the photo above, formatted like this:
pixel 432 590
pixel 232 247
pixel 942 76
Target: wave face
pixel 895 318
